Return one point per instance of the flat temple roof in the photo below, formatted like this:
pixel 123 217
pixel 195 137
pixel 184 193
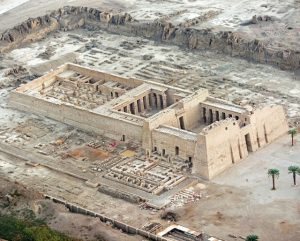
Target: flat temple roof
pixel 225 106
pixel 187 135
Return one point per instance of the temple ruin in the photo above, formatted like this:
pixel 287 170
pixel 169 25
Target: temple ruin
pixel 192 130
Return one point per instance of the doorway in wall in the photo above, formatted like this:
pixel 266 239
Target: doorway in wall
pixel 190 162
pixel 204 114
pixel 248 143
pixel 181 123
pixel 223 116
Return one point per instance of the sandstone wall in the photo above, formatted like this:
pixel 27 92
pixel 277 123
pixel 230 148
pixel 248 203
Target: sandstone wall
pixel 268 123
pixel 104 76
pixel 225 146
pixel 200 160
pixel 168 142
pixel 192 111
pixel 226 142
pixel 77 117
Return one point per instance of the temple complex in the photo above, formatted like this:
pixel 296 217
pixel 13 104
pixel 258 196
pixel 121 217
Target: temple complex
pixel 205 134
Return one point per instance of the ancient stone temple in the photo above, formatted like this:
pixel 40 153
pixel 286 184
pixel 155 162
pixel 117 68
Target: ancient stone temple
pixel 174 124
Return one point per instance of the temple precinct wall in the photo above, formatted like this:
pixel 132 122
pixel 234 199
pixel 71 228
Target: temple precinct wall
pixel 80 118
pixel 206 133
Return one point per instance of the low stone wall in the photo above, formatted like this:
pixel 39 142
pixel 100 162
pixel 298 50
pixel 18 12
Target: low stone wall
pixel 124 227
pixel 120 194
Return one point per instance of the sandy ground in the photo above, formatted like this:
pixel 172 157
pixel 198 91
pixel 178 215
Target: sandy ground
pixel 6 6
pixel 237 202
pixel 242 203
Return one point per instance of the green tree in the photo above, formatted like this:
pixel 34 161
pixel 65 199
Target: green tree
pixel 14 229
pixel 293 132
pixel 43 233
pixel 252 237
pixel 273 172
pixel 295 170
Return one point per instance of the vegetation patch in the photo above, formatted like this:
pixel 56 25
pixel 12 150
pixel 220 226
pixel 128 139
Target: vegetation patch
pixel 14 229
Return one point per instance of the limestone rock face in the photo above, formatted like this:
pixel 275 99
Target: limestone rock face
pixel 31 30
pixel 231 43
pixel 66 18
pixel 227 42
pixel 30 25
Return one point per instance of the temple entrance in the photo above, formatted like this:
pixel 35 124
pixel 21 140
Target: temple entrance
pixel 181 122
pixel 204 115
pixel 248 143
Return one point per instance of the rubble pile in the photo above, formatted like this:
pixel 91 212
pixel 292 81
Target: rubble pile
pixel 184 197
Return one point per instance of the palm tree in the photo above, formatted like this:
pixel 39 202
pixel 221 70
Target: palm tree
pixel 273 172
pixel 293 132
pixel 252 237
pixel 295 170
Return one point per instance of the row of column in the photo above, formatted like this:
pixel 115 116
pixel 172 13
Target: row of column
pixel 157 101
pixel 152 100
pixel 213 116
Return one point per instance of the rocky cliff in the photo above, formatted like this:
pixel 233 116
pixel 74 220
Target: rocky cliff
pixel 227 42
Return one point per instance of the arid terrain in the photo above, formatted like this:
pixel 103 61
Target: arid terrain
pixel 247 52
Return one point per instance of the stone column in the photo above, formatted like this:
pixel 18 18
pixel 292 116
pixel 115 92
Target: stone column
pixel 146 102
pixel 217 113
pixel 150 97
pixel 153 101
pixel 213 119
pixel 136 110
pixel 209 117
pixel 142 104
pixel 164 101
pixel 128 109
pixel 158 101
